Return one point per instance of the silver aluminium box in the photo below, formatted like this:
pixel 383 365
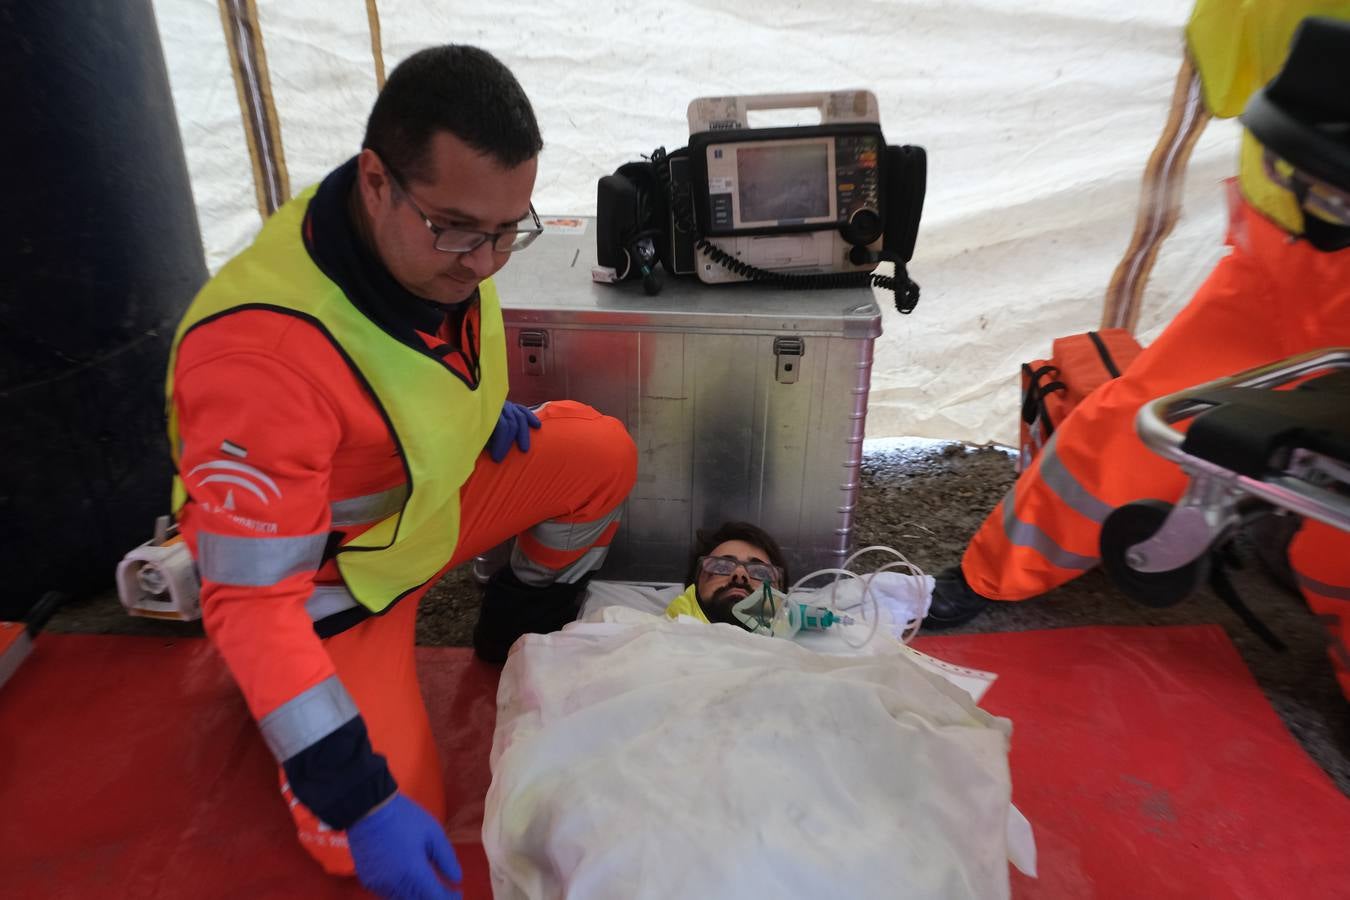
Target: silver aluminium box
pixel 745 402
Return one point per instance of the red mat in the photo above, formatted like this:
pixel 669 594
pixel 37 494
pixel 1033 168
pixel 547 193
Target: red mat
pixel 1147 760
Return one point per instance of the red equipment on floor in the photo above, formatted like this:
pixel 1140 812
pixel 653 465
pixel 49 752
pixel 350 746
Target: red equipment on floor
pixel 1147 760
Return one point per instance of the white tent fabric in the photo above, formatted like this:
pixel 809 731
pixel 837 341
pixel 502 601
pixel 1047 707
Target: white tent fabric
pixel 1038 117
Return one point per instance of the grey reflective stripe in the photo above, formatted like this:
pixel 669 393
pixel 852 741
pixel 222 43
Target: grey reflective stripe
pixel 1334 591
pixel 257 562
pixel 573 535
pixel 369 508
pixel 1069 489
pixel 327 600
pixel 1024 534
pixel 307 718
pixel 534 575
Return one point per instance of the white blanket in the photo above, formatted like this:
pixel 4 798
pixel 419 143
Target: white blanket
pixel 649 758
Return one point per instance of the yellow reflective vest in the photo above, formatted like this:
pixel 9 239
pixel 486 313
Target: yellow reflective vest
pixel 1238 46
pixel 438 425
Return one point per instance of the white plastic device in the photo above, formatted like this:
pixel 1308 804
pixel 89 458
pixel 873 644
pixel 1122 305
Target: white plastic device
pixel 158 579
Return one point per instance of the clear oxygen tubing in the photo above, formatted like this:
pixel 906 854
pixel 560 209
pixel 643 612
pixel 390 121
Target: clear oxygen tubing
pixel 901 562
pixel 868 598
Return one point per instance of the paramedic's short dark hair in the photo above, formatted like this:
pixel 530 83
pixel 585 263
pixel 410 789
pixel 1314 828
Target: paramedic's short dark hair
pixel 706 540
pixel 456 88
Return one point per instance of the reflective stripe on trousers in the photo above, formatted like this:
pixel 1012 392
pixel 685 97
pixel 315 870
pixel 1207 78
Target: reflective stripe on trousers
pixel 1069 491
pixel 559 551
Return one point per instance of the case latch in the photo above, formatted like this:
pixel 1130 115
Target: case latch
pixel 532 346
pixel 788 351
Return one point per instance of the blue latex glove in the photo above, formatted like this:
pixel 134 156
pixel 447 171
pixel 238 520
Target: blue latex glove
pixel 513 427
pixel 402 853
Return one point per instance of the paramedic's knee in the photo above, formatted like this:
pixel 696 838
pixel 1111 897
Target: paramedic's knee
pixel 600 446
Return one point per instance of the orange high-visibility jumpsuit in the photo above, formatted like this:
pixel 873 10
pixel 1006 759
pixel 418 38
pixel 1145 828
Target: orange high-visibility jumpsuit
pixel 1272 297
pixel 286 457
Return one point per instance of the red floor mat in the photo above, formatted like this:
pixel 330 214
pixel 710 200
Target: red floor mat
pixel 1147 760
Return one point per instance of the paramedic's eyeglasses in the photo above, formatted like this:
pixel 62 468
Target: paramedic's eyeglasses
pixel 466 240
pixel 726 565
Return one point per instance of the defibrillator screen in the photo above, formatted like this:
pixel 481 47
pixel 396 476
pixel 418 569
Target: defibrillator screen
pixel 784 182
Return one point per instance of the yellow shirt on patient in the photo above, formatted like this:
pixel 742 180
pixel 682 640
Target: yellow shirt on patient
pixel 686 605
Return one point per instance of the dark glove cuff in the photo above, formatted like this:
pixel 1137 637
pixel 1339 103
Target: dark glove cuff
pixel 340 777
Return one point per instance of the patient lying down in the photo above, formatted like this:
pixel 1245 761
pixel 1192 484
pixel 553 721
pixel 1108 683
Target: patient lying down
pixel 738 576
pixel 640 755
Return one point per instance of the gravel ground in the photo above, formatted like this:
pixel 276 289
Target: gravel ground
pixel 927 501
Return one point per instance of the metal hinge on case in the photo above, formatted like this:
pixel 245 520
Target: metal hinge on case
pixel 532 346
pixel 788 351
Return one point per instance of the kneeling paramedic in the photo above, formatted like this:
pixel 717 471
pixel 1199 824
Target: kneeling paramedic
pixel 342 438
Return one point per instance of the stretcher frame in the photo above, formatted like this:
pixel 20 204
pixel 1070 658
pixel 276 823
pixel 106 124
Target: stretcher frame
pixel 1209 507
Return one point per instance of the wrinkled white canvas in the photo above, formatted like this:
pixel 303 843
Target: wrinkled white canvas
pixel 1038 118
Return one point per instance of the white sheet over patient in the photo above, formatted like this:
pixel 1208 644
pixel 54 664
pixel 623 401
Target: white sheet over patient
pixel 651 758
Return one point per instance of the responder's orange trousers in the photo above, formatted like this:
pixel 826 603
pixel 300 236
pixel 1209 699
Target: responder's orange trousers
pixel 1270 298
pixel 580 467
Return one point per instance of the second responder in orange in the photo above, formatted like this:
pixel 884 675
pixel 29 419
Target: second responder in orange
pixel 1283 289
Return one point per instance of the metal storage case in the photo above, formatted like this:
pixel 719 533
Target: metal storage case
pixel 745 402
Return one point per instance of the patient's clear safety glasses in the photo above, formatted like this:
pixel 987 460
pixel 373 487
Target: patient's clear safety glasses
pixel 726 565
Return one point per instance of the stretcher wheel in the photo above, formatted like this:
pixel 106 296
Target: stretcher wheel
pixel 1129 525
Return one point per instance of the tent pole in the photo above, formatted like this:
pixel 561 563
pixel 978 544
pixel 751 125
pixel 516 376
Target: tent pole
pixel 248 62
pixel 1159 200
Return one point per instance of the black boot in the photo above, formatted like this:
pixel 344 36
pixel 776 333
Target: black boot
pixel 954 603
pixel 511 608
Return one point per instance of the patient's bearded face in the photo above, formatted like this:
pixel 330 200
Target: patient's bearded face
pixel 717 594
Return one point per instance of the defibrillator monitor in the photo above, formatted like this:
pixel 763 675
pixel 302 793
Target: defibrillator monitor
pixel 797 190
pixel 807 197
pixel 770 184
